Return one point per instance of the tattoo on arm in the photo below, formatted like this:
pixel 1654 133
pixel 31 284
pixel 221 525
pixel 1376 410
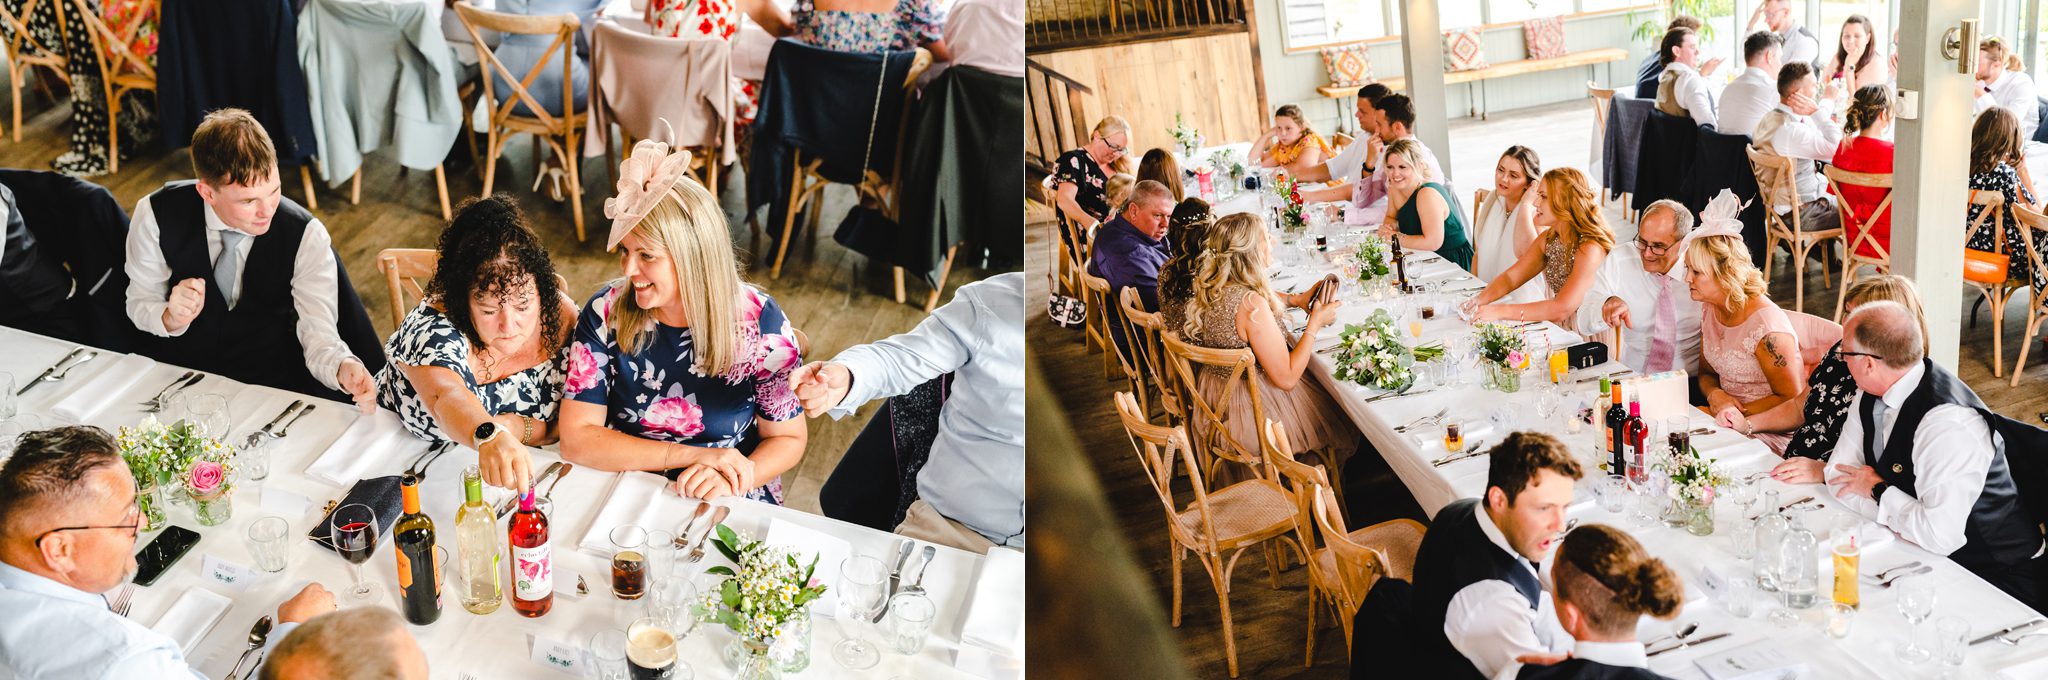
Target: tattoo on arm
pixel 1776 357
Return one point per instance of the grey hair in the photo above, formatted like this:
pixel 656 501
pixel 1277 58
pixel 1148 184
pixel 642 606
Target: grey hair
pixel 1149 190
pixel 49 470
pixel 1887 329
pixel 1681 217
pixel 350 644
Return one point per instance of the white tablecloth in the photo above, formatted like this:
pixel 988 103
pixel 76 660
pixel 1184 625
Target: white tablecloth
pixel 1878 630
pixel 492 646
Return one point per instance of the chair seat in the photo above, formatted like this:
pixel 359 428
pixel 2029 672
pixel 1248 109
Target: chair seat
pixel 1247 511
pixel 1397 543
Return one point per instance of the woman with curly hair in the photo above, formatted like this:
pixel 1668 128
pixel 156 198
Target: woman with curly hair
pixel 1575 240
pixel 1749 349
pixel 479 361
pixel 679 367
pixel 1190 228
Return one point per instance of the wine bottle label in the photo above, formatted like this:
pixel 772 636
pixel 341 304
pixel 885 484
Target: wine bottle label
pixel 533 574
pixel 404 569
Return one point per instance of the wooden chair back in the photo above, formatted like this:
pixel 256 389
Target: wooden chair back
pixel 1160 449
pixel 1211 415
pixel 1838 178
pixel 1479 198
pixel 1603 98
pixel 1774 175
pixel 562 27
pixel 1992 213
pixel 1095 294
pixel 1141 332
pixel 120 66
pixel 2035 229
pixel 406 272
pixel 1302 483
pixel 23 49
pixel 1386 549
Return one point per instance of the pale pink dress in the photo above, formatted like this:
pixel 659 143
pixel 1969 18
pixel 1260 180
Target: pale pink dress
pixel 1732 353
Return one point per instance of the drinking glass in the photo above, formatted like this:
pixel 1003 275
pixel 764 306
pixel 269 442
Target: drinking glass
pixel 207 411
pixel 270 543
pixel 1454 436
pixel 608 651
pixel 669 600
pixel 910 622
pixel 1649 503
pixel 255 459
pixel 1678 433
pixel 1951 640
pixel 651 653
pixel 1916 603
pixel 1614 494
pixel 1741 594
pixel 629 563
pixel 1841 617
pixel 661 554
pixel 1548 397
pixel 354 530
pixel 862 592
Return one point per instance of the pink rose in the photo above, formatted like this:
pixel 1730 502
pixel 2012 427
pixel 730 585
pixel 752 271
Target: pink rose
pixel 676 415
pixel 1515 358
pixel 207 477
pixel 776 352
pixel 583 370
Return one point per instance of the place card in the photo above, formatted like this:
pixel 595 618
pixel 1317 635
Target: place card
pixel 566 657
pixel 1764 660
pixel 284 503
pixel 234 576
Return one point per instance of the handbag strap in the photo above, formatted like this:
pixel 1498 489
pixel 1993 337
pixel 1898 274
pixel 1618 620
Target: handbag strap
pixel 873 118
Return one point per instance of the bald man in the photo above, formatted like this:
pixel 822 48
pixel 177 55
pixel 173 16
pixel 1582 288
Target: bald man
pixel 366 643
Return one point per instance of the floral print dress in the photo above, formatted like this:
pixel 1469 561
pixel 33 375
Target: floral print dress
pixel 709 19
pixel 913 23
pixel 658 394
pixel 428 338
pixel 90 147
pixel 1829 392
pixel 2006 181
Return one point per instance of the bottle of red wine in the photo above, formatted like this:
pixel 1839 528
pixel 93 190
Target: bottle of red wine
pixel 1400 264
pixel 1617 417
pixel 1636 434
pixel 533 570
pixel 419 576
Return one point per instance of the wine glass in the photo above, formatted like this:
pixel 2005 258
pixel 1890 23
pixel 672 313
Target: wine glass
pixel 861 596
pixel 1916 603
pixel 354 531
pixel 1548 397
pixel 209 412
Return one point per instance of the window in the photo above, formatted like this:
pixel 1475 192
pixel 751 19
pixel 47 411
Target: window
pixel 1315 23
pixel 1505 11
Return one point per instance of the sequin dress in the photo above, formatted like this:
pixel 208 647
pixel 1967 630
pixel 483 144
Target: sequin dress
pixel 1307 413
pixel 1731 351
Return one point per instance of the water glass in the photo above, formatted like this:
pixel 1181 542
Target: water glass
pixel 1743 532
pixel 1741 597
pixel 1951 640
pixel 608 654
pixel 1614 494
pixel 1548 397
pixel 208 411
pixel 1840 618
pixel 670 600
pixel 270 543
pixel 661 554
pixel 909 622
pixel 254 460
pixel 861 594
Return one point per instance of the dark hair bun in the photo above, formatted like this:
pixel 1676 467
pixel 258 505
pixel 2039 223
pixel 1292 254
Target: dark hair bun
pixel 1653 589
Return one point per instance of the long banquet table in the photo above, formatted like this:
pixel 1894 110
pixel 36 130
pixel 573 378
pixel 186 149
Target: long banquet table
pixel 498 645
pixel 1878 629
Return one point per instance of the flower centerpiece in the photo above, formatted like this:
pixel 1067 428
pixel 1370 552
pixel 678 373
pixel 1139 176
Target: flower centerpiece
pixel 159 454
pixel 1293 214
pixel 1694 480
pixel 1504 353
pixel 1373 260
pixel 766 602
pixel 1371 354
pixel 1228 164
pixel 1185 137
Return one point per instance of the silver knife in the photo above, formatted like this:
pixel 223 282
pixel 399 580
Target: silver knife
pixel 258 434
pixel 505 506
pixel 1688 643
pixel 47 372
pixel 896 574
pixel 2009 630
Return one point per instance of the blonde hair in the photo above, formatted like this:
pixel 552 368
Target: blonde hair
pixel 1727 259
pixel 2001 53
pixel 1577 209
pixel 1232 257
pixel 1412 150
pixel 1889 288
pixel 689 227
pixel 1612 580
pixel 1110 125
pixel 1117 190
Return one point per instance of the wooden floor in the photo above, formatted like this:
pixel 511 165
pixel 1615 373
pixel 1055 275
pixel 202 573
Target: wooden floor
pixel 1271 624
pixel 832 294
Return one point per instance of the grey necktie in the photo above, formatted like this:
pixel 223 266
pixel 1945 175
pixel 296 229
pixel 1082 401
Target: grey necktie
pixel 1877 414
pixel 227 269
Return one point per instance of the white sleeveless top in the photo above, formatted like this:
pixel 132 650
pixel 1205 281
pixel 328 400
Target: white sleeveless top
pixel 1493 250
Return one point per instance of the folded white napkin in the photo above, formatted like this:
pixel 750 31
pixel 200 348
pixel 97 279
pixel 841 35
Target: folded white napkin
pixel 376 444
pixel 2031 669
pixel 982 663
pixel 995 617
pixel 94 394
pixel 635 498
pixel 831 551
pixel 194 614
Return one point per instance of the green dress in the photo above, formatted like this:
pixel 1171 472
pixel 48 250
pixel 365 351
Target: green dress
pixel 1456 246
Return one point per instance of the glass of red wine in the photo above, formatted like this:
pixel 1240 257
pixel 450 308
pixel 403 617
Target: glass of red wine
pixel 354 532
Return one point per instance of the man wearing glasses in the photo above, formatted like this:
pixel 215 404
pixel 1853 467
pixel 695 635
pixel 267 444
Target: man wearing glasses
pixel 68 528
pixel 1918 454
pixel 1660 321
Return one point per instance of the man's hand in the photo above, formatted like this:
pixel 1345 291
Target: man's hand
pixel 820 385
pixel 356 381
pixel 310 602
pixel 187 298
pixel 1615 312
pixel 1802 104
pixel 1707 69
pixel 1858 479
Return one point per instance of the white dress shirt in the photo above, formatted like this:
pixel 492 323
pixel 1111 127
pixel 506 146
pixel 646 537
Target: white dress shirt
pixel 314 283
pixel 1812 138
pixel 1689 91
pixel 1800 46
pixel 1349 161
pixel 2014 91
pixel 1491 623
pixel 985 34
pixel 56 632
pixel 1952 452
pixel 1746 100
pixel 1623 276
pixel 975 475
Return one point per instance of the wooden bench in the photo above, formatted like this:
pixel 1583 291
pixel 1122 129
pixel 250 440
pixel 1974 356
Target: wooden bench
pixel 1476 78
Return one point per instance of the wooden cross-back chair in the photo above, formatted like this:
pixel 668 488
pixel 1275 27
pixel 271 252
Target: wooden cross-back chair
pixel 1603 99
pixel 1854 260
pixel 25 53
pixel 704 159
pixel 1992 214
pixel 1209 417
pixel 121 69
pixel 2035 229
pixel 559 133
pixel 1095 295
pixel 406 272
pixel 1217 525
pixel 1775 187
pixel 1141 333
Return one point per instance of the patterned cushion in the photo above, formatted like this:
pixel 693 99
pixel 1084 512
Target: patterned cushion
pixel 1462 51
pixel 1347 65
pixel 1545 37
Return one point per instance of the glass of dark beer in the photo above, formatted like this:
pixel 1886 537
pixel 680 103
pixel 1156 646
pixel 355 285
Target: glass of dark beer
pixel 629 562
pixel 651 652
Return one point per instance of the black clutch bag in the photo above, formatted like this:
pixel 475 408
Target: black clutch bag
pixel 1586 355
pixel 380 494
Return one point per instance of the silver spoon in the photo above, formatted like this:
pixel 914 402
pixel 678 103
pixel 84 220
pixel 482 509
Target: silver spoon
pixel 283 432
pixel 1683 633
pixel 1880 576
pixel 257 635
pixel 2014 640
pixel 1887 583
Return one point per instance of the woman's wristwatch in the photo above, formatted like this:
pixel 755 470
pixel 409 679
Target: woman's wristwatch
pixel 486 432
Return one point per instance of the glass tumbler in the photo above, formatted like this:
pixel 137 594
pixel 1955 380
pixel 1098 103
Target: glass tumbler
pixel 1951 638
pixel 910 622
pixel 270 543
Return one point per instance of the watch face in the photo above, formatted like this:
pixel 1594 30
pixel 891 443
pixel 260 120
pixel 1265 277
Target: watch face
pixel 485 430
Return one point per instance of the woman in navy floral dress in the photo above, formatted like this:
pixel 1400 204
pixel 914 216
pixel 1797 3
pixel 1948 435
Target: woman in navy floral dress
pixel 679 367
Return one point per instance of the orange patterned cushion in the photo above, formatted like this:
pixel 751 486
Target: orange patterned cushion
pixel 1347 66
pixel 1462 51
pixel 1545 37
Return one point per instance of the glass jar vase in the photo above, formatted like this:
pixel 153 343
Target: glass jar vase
pixel 1699 516
pixel 215 508
pixel 1501 377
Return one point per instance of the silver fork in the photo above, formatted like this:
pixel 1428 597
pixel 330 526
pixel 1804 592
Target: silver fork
pixel 1425 419
pixel 1887 583
pixel 285 431
pixel 156 403
pixel 697 554
pixel 123 601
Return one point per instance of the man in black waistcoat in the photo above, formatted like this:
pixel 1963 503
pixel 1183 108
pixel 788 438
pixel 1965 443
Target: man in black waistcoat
pixel 235 279
pixel 1478 604
pixel 1919 455
pixel 34 288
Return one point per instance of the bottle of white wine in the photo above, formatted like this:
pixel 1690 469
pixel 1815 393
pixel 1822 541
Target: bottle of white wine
pixel 419 576
pixel 478 547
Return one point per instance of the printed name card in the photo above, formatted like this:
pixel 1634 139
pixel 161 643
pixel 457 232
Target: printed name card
pixel 229 574
pixel 566 657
